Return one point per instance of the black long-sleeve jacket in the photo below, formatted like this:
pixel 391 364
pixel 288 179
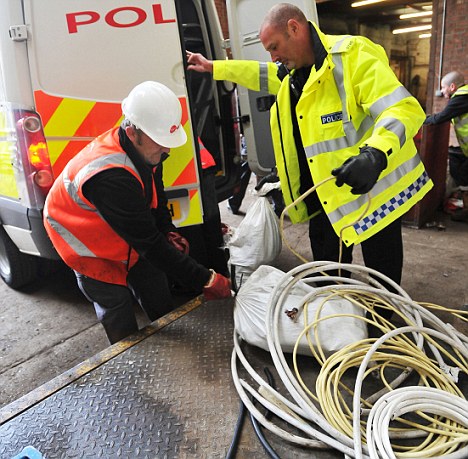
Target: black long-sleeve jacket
pixel 118 197
pixel 456 106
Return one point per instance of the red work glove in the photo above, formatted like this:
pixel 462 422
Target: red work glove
pixel 178 241
pixel 217 288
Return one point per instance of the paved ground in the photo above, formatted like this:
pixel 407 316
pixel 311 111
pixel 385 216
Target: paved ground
pixel 50 327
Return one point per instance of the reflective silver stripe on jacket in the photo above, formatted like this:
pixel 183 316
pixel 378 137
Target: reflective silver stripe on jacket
pixel 391 205
pixel 72 187
pixel 99 163
pixel 351 139
pixel 339 79
pixel 462 120
pixel 395 126
pixel 352 136
pixel 263 74
pixel 384 102
pixel 70 239
pixel 382 185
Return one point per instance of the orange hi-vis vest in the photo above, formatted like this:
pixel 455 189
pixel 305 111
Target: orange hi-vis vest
pixel 83 239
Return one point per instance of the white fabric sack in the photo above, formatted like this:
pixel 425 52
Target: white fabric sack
pixel 252 302
pixel 257 240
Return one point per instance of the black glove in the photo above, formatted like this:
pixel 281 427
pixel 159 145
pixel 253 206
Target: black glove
pixel 361 171
pixel 270 178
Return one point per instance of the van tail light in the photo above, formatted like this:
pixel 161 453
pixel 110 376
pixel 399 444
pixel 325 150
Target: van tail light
pixel 35 158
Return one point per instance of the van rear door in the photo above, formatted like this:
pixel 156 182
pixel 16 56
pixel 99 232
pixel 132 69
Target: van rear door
pixel 86 56
pixel 245 18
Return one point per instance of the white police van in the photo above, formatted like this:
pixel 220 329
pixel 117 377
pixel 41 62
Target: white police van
pixel 65 67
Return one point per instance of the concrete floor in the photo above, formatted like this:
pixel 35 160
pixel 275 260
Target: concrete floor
pixel 50 327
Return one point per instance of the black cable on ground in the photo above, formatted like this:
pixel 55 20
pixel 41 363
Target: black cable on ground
pixel 233 280
pixel 258 428
pixel 231 454
pixel 261 436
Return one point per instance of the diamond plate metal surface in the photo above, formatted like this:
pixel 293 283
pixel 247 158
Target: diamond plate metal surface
pixel 170 396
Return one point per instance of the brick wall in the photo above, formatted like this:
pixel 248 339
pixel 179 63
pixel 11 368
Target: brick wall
pixel 221 7
pixel 454 43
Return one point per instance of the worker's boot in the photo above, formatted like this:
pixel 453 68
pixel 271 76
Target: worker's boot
pixel 461 215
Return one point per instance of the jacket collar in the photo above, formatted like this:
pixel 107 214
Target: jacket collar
pixel 319 41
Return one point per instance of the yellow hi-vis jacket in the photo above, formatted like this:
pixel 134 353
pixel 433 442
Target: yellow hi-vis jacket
pixel 460 123
pixel 353 100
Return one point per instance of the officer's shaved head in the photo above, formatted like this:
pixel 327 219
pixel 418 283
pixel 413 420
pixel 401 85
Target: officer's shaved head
pixel 280 14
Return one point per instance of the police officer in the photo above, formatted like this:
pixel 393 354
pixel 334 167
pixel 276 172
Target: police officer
pixel 107 216
pixel 339 110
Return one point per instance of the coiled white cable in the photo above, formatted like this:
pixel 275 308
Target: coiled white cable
pixel 311 413
pixel 413 399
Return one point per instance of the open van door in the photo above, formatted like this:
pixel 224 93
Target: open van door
pixel 245 18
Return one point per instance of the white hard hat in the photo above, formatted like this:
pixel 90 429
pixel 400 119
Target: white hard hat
pixel 155 109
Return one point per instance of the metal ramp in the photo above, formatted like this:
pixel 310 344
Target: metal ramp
pixel 165 393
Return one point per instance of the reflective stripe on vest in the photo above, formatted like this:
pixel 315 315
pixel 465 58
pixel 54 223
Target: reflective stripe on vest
pixel 460 123
pixel 206 158
pixel 71 240
pixel 72 187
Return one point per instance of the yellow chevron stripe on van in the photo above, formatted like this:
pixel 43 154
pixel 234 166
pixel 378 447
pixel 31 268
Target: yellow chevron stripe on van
pixel 65 121
pixel 68 117
pixel 195 215
pixel 181 166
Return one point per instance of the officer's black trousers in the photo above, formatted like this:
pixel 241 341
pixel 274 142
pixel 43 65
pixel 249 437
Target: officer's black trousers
pixel 382 252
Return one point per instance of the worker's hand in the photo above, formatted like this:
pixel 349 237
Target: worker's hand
pixel 199 63
pixel 217 288
pixel 361 171
pixel 178 241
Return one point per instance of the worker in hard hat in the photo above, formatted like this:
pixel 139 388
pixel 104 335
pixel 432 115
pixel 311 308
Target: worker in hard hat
pixel 107 216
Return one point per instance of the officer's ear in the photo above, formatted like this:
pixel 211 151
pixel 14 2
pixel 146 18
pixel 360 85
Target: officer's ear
pixel 293 27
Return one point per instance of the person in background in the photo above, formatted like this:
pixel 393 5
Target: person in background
pixel 107 216
pixel 340 111
pixel 235 201
pixel 207 239
pixel 453 87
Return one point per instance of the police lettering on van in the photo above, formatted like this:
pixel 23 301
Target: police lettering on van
pixel 115 18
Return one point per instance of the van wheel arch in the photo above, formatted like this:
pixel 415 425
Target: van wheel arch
pixel 16 268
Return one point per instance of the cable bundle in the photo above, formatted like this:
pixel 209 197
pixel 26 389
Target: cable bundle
pixel 417 411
